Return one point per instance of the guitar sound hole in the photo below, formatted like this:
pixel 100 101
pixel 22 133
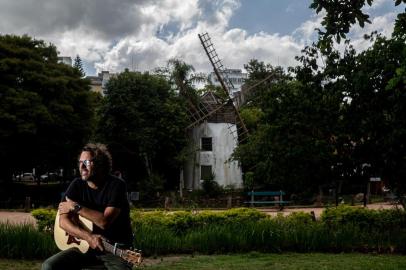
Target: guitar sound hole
pixel 72 239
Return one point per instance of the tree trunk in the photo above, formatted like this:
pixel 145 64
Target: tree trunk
pixel 148 165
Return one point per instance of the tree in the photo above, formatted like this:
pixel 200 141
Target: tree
pixel 289 148
pixel 217 90
pixel 340 16
pixel 79 65
pixel 46 109
pixel 259 71
pixel 343 119
pixel 377 109
pixel 143 121
pixel 372 83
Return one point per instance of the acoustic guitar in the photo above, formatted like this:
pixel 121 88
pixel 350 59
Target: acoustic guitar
pixel 64 241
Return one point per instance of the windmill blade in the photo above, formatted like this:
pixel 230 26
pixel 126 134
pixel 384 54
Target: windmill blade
pixel 241 97
pixel 215 61
pixel 197 110
pixel 242 132
pixel 203 117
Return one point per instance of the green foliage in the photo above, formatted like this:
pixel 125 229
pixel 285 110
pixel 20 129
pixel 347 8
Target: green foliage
pixel 45 218
pixel 365 219
pixel 211 188
pixel 251 117
pixel 290 148
pixel 142 120
pixel 239 230
pixel 299 218
pixel 181 221
pixel 79 65
pixel 342 229
pixel 340 16
pixel 153 183
pixel 249 180
pixel 25 242
pixel 323 124
pixel 46 108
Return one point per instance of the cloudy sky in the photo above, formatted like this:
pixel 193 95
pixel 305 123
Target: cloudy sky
pixel 144 34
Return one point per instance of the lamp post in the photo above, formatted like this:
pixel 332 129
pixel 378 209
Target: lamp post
pixel 337 170
pixel 365 172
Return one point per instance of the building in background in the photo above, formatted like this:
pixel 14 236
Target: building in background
pixel 98 83
pixel 236 77
pixel 67 60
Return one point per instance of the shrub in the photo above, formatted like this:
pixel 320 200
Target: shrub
pixel 367 219
pixel 45 218
pixel 211 188
pixel 342 229
pixel 242 230
pixel 182 221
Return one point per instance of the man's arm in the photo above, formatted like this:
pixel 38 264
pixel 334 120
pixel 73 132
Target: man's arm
pixel 101 219
pixel 65 222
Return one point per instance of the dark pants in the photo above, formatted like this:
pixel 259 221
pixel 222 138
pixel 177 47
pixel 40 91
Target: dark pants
pixel 73 259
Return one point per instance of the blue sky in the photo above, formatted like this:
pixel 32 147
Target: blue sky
pixel 145 34
pixel 271 16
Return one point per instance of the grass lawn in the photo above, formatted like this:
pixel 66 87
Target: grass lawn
pixel 287 261
pixel 254 261
pixel 6 264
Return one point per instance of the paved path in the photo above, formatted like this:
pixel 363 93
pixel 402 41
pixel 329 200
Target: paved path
pixel 16 217
pixel 318 210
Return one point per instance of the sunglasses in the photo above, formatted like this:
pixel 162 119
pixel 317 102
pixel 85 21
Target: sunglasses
pixel 86 162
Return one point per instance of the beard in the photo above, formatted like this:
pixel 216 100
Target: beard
pixel 93 175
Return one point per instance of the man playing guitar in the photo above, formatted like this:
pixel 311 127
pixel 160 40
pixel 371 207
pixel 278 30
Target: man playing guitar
pixel 100 198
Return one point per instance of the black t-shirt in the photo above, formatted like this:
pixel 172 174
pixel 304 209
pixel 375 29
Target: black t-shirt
pixel 112 193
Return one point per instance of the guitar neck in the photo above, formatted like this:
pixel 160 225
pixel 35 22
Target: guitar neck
pixel 131 257
pixel 114 250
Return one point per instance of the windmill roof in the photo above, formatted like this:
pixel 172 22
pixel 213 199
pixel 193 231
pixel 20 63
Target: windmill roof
pixel 211 98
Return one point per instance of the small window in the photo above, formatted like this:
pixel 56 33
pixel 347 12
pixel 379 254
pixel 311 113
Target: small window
pixel 207 144
pixel 206 173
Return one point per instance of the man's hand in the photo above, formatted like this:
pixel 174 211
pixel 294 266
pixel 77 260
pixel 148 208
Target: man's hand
pixel 66 207
pixel 95 242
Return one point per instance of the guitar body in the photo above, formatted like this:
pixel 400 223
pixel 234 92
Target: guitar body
pixel 64 240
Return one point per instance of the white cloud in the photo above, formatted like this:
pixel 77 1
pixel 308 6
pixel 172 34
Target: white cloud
pixel 234 46
pixel 143 34
pixel 306 31
pixel 382 24
pixel 82 42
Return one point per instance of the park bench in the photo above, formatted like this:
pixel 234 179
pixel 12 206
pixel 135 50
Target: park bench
pixel 272 197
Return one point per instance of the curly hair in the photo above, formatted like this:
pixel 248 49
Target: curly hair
pixel 101 156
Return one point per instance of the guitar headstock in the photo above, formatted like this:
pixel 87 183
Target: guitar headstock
pixel 132 257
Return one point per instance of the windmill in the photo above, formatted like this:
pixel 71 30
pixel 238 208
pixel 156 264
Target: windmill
pixel 214 121
pixel 241 132
pixel 239 98
pixel 215 128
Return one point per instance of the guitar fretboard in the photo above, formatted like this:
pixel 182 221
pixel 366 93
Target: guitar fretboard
pixel 110 248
